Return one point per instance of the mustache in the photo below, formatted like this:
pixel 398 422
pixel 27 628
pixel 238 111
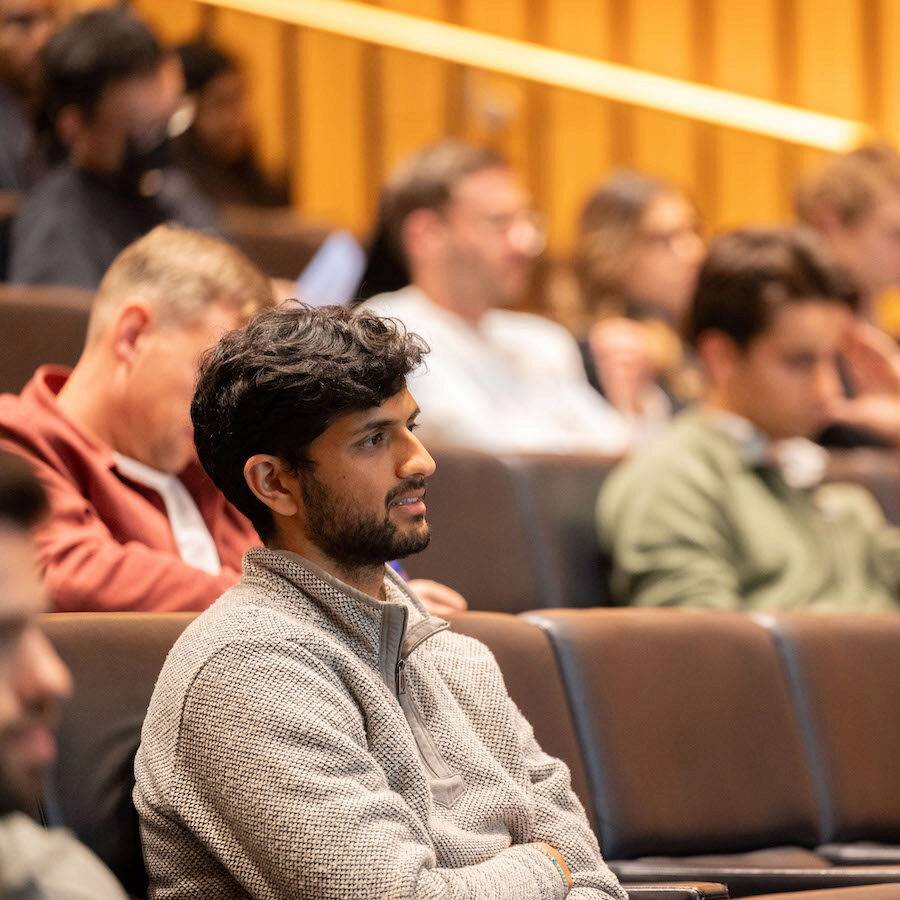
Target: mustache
pixel 416 483
pixel 37 714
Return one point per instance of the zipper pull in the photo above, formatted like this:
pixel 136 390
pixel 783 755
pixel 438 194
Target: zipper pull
pixel 401 676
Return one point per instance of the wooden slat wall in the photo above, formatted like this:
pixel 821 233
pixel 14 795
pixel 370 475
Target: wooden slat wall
pixel 340 113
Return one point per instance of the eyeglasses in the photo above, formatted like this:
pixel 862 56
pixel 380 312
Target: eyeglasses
pixel 525 228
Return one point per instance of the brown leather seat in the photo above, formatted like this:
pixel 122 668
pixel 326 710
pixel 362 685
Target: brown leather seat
pixel 278 242
pixel 481 544
pixel 514 533
pixel 687 730
pixel 115 659
pixel 695 760
pixel 845 681
pixel 40 325
pixel 561 492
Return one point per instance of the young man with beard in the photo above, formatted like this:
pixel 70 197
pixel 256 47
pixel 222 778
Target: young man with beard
pixel 316 733
pixel 34 862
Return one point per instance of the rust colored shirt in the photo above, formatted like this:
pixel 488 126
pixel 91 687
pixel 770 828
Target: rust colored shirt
pixel 107 544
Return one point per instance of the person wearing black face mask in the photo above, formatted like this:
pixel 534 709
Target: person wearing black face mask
pixel 110 92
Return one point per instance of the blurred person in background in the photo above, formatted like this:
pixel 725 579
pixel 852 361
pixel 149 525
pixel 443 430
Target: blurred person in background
pixel 854 203
pixel 496 379
pixel 110 91
pixel 25 27
pixel 636 258
pixel 34 862
pixel 726 509
pixel 216 150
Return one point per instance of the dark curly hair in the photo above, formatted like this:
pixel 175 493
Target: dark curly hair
pixel 277 384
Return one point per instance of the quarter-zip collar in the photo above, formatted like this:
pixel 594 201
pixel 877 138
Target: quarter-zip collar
pixel 386 632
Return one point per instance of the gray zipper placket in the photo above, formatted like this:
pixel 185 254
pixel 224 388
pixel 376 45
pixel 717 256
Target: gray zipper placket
pixel 396 644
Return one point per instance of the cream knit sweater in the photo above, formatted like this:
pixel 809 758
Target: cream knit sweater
pixel 307 741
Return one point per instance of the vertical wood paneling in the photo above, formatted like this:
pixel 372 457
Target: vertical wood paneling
pixel 748 185
pixel 355 111
pixel 578 127
pixel 829 61
pixel 495 106
pixel 414 91
pixel 661 41
pixel 889 114
pixel 172 20
pixel 331 119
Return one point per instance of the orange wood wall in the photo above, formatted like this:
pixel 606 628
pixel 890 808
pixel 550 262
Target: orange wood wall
pixel 340 113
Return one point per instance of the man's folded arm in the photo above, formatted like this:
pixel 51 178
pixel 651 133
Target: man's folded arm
pixel 287 773
pixel 561 822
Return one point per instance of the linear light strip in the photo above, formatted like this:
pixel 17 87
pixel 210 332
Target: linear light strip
pixel 567 70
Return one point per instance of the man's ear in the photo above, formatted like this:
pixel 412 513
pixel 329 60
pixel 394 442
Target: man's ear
pixel 419 232
pixel 829 222
pixel 719 354
pixel 69 124
pixel 273 483
pixel 131 323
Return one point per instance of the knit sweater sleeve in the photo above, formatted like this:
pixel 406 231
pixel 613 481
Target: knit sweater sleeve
pixel 273 775
pixel 560 820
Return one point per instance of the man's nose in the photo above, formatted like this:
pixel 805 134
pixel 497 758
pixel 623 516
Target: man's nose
pixel 416 460
pixel 42 676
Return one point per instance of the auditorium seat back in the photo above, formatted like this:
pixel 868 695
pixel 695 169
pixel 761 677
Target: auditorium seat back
pixel 560 493
pixel 514 532
pixel 844 672
pixel 481 544
pixel 115 660
pixel 39 325
pixel 687 731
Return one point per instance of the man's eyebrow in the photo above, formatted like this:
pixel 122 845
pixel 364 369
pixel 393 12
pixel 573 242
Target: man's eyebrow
pixel 376 424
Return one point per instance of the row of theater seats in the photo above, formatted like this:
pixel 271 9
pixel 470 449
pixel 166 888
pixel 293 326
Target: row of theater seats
pixel 513 533
pixel 706 747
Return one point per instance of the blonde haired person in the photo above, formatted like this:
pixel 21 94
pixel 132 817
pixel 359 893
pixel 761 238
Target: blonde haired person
pixel 134 523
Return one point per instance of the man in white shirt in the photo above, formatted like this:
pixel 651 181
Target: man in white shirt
pixel 496 379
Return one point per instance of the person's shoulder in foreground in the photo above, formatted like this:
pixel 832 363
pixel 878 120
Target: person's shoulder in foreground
pixel 725 510
pixel 34 862
pixel 134 522
pixel 316 733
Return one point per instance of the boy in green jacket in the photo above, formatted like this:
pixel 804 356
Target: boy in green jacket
pixel 726 509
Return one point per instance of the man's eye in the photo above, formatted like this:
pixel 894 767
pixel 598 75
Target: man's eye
pixel 412 426
pixel 373 440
